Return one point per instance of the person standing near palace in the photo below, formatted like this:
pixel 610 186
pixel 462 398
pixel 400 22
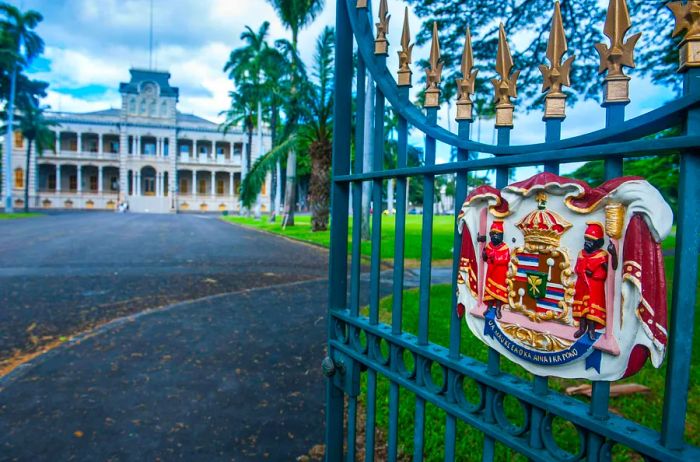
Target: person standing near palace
pixel 592 271
pixel 496 254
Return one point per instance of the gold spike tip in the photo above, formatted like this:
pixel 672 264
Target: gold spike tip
pixel 619 54
pixel 465 85
pixel 506 87
pixel 434 72
pixel 404 73
pixel 381 45
pixel 558 74
pixel 687 16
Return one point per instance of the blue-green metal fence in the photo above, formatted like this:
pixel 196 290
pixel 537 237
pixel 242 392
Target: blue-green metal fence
pixel 598 430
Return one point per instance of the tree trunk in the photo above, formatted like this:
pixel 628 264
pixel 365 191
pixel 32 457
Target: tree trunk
pixel 320 184
pixel 274 197
pixel 7 167
pixel 258 199
pixel 290 189
pixel 368 157
pixel 26 176
pixel 248 159
pixel 390 196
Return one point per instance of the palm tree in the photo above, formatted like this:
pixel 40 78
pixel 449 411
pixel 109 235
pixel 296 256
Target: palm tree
pixel 246 68
pixel 318 130
pixel 294 14
pixel 36 130
pixel 242 113
pixel 25 45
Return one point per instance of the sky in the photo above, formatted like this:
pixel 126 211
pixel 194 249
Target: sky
pixel 91 44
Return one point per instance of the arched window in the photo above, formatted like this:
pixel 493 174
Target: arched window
pixel 152 109
pixel 163 109
pixel 142 109
pixel 19 178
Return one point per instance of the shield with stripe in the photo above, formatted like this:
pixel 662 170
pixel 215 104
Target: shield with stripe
pixel 537 286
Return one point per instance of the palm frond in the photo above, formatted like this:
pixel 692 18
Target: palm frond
pixel 253 181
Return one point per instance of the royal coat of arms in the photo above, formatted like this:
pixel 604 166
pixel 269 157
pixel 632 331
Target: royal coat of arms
pixel 565 279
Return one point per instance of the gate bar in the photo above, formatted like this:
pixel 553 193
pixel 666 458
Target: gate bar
pixel 684 282
pixel 338 261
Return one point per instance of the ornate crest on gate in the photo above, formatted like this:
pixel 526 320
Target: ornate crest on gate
pixel 565 279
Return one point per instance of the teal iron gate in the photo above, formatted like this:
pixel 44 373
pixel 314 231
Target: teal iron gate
pixel 362 345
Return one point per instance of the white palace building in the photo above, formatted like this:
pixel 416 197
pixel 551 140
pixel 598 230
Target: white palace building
pixel 146 154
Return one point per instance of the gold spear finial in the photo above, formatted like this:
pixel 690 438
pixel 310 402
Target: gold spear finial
pixel 381 44
pixel 687 17
pixel 558 75
pixel 434 73
pixel 620 54
pixel 465 85
pixel 405 54
pixel 506 86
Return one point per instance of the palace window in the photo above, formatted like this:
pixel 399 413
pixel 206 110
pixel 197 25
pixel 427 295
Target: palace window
pixel 220 187
pixel 93 183
pixel 143 107
pixel 19 140
pixel 152 109
pixel 184 186
pixel 52 182
pixel 184 149
pixel 219 151
pixel 19 178
pixel 114 183
pixel 73 182
pixel 132 106
pixel 237 149
pixel 202 186
pixel 164 109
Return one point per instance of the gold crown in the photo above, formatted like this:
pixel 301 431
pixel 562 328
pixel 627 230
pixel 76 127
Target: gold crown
pixel 543 227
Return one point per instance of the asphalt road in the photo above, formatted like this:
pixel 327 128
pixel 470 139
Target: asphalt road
pixel 233 376
pixel 66 273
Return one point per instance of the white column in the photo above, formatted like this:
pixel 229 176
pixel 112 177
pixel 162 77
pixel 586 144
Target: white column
pixel 99 179
pixel 133 146
pixel 100 145
pixel 194 183
pixel 58 178
pixel 138 183
pixel 213 184
pixel 80 178
pixel 138 147
pixel 157 191
pixel 58 142
pixel 230 184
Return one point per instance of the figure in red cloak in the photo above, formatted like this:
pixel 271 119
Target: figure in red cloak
pixel 592 271
pixel 497 256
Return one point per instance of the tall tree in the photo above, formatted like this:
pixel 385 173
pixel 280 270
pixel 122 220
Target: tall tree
pixel 318 128
pixel 24 45
pixel 246 67
pixel 36 129
pixel 242 112
pixel 295 15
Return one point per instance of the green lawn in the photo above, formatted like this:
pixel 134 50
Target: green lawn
pixel 644 409
pixel 14 216
pixel 443 227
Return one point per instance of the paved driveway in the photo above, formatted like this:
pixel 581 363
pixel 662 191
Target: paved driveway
pixel 65 273
pixel 232 376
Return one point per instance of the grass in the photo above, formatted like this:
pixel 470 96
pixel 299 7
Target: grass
pixel 644 409
pixel 443 228
pixel 14 216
